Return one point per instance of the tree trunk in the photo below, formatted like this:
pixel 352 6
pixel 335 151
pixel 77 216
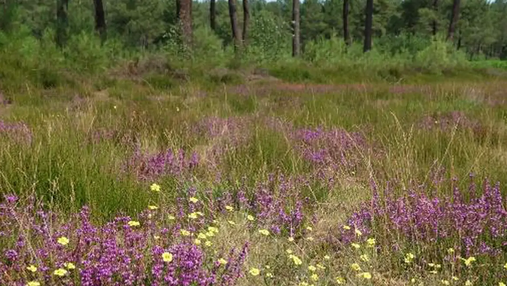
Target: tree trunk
pixel 296 38
pixel 100 19
pixel 213 15
pixel 62 22
pixel 434 26
pixel 454 20
pixel 236 33
pixel 346 33
pixel 184 8
pixel 368 25
pixel 246 21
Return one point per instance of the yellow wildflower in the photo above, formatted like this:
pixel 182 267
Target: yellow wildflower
pixel 155 187
pixel 468 283
pixel 290 239
pixel 269 275
pixel 309 238
pixel 222 261
pixel 193 200
pixel 60 272
pixel 346 227
pixel 208 243
pixel 320 266
pixel 212 229
pixel 409 257
pixel 231 222
pixel 171 217
pixel 358 232
pixel 327 257
pixel 355 267
pixel 364 258
pixel 167 257
pixel 296 260
pixel 289 251
pixel 210 234
pixel 250 217
pixel 312 268
pixel 201 236
pixel 433 272
pixel 69 265
pixel 156 237
pixel 32 268
pixel 371 242
pixel 355 245
pixel 468 261
pixel 309 228
pixel 33 283
pixel 192 216
pixel 184 232
pixel 254 271
pixel 340 280
pixel 229 208
pixel 455 278
pixel 365 275
pixel 152 207
pixel 314 277
pixel 445 282
pixel 264 232
pixel 63 240
pixel 199 213
pixel 505 266
pixel 501 284
pixel 267 267
pixel 197 241
pixel 450 250
pixel 133 223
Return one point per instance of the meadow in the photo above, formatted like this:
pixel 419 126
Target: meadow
pixel 290 174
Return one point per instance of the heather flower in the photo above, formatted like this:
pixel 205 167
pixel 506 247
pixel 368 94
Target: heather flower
pixel 60 272
pixel 254 271
pixel 155 187
pixel 133 223
pixel 355 267
pixel 69 265
pixel 312 268
pixel 33 283
pixel 167 257
pixel 365 275
pixel 63 240
pixel 184 232
pixel 32 268
pixel 264 232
